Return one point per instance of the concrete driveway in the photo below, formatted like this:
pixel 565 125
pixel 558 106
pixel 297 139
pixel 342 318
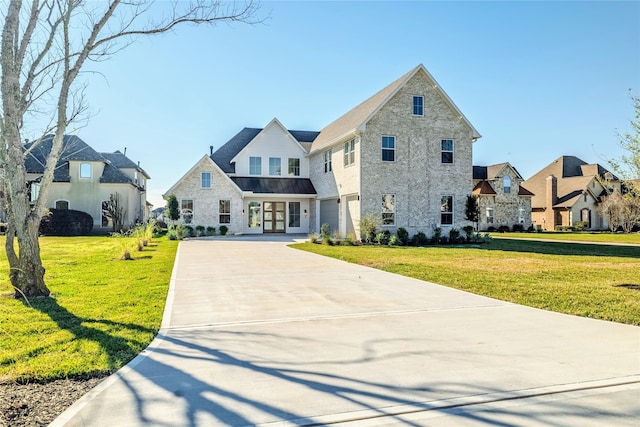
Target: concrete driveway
pixel 257 333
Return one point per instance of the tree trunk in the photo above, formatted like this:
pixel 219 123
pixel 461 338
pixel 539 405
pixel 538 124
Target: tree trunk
pixel 28 277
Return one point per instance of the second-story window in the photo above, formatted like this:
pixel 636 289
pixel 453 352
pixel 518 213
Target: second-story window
pixel 388 148
pixel 447 150
pixel 205 179
pixel 274 166
pixel 255 165
pixel 418 105
pixel 327 161
pixel 85 170
pixel 294 167
pixel 350 152
pixel 506 184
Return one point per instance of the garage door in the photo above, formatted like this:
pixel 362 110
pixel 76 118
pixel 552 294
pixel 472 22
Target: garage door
pixel 329 213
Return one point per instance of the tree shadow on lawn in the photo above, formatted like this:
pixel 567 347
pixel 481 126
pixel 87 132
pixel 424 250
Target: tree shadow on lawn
pixel 119 350
pixel 562 248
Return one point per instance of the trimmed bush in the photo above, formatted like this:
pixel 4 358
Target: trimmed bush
pixel 199 230
pixel 503 229
pixel 66 222
pixel 419 239
pixel 403 236
pixel 223 229
pixel 454 236
pixel 517 228
pixel 211 231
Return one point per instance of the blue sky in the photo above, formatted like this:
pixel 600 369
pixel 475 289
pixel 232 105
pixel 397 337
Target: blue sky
pixel 537 79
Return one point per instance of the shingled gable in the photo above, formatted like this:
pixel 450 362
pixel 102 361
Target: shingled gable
pixel 225 155
pixel 204 158
pixel 356 119
pixel 121 161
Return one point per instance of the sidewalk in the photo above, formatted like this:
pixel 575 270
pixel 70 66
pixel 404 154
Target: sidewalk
pixel 257 333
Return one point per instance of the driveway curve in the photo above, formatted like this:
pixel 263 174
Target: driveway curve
pixel 258 333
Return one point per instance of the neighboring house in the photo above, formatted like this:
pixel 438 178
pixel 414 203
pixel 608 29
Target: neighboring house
pixel 403 156
pixel 569 190
pixel 502 200
pixel 84 180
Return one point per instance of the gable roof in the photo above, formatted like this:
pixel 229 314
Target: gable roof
pixel 492 171
pixel 223 155
pixel 356 118
pixel 573 178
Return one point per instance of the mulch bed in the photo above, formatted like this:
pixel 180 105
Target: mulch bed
pixel 38 404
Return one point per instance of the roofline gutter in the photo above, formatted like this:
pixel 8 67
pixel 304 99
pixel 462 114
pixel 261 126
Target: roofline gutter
pixel 350 134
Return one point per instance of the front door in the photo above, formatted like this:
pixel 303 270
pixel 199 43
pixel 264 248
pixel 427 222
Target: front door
pixel 274 217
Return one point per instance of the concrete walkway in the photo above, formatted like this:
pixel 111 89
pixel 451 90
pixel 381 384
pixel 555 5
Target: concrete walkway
pixel 257 333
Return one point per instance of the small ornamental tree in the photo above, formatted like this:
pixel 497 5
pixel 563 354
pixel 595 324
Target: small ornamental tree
pixel 172 210
pixel 472 209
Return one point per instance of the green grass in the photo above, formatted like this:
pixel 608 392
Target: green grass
pixel 597 281
pixel 633 238
pixel 104 311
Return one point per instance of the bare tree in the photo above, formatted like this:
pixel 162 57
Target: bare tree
pixel 45 45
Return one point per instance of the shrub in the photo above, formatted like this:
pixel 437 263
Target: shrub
pixel 199 230
pixel 531 229
pixel 211 231
pixel 171 234
pixel 325 231
pixel 468 232
pixel 394 240
pixel 454 235
pixel 66 222
pixel 580 225
pixel 491 228
pixel 517 228
pixel 437 235
pixel 368 226
pixel 403 236
pixel 419 239
pixel 223 230
pixel 503 229
pixel 182 231
pixel 350 239
pixel 313 237
pixel 383 237
pixel 327 240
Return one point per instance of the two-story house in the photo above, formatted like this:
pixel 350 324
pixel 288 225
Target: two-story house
pixel 403 156
pixel 569 190
pixel 502 200
pixel 84 180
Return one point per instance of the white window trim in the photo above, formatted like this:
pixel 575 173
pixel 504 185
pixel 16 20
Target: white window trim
pixel 201 180
pixel 299 166
pixel 90 171
pixel 395 144
pixel 280 167
pixel 394 210
pixel 452 151
pixel 453 210
pixel 260 163
pixel 327 161
pixel 55 203
pixel 413 105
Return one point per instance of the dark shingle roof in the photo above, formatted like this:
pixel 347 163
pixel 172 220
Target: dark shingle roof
pixel 223 155
pixel 73 149
pixel 275 185
pixel 121 161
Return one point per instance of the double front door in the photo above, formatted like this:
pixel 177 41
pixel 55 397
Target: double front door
pixel 274 214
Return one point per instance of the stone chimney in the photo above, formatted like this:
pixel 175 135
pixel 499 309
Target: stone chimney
pixel 551 197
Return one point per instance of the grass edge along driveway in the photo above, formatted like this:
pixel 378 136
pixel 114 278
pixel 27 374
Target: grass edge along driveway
pixel 596 281
pixel 104 311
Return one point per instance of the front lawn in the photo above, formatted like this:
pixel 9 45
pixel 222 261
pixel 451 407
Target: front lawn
pixel 597 281
pixel 633 238
pixel 104 311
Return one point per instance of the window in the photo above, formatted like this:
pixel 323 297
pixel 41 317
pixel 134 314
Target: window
pixel 255 165
pixel 446 210
pixel 349 152
pixel 205 179
pixel 85 170
pixel 447 150
pixel 489 215
pixel 62 204
pixel 327 161
pixel 418 105
pixel 294 214
pixel 388 148
pixel 521 215
pixel 186 210
pixel 35 191
pixel 274 166
pixel 255 215
pixel 225 211
pixel 506 184
pixel 294 167
pixel 388 209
